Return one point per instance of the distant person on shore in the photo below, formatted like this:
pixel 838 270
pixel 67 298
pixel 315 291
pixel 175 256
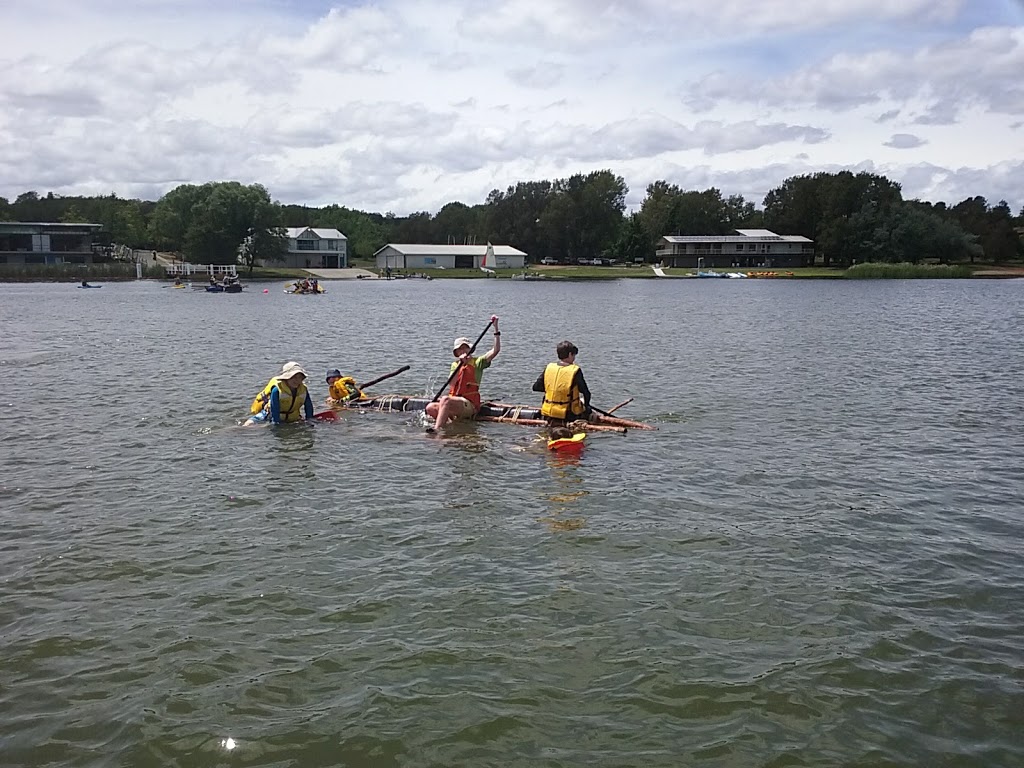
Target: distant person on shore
pixel 463 398
pixel 285 399
pixel 342 388
pixel 566 394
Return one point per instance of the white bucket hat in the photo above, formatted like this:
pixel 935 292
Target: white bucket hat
pixel 290 369
pixel 462 341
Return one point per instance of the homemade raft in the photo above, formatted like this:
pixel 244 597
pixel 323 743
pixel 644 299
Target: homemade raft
pixel 505 413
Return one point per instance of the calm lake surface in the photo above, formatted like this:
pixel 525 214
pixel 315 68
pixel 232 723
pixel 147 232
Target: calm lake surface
pixel 815 560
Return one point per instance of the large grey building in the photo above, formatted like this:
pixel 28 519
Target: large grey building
pixel 35 242
pixel 417 257
pixel 747 248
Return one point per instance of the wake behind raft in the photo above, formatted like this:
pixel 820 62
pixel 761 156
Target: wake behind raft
pixel 505 413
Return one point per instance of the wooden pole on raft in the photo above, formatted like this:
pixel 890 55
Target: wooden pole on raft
pixel 542 423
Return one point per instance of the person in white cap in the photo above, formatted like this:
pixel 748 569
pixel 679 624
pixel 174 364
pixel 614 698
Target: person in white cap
pixel 285 398
pixel 463 398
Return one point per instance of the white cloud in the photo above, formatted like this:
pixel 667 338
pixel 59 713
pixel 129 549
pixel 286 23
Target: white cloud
pixel 905 141
pixel 405 106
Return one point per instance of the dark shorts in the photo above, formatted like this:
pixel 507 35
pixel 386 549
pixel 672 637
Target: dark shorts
pixel 562 422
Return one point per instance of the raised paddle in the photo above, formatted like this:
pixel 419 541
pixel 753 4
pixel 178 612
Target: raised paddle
pixel 440 392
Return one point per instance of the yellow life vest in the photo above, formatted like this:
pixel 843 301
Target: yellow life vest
pixel 345 388
pixel 291 402
pixel 561 395
pixel 573 443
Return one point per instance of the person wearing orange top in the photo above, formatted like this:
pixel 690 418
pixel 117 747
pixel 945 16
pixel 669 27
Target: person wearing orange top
pixel 463 398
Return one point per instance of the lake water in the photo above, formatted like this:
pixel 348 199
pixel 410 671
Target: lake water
pixel 815 560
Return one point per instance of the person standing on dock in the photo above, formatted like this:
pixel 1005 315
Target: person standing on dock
pixel 566 394
pixel 463 398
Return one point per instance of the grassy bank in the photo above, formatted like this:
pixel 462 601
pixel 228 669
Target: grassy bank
pixel 871 271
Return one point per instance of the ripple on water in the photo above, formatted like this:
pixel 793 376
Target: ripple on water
pixel 814 560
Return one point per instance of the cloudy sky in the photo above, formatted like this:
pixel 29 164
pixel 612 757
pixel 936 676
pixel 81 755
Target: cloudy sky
pixel 399 105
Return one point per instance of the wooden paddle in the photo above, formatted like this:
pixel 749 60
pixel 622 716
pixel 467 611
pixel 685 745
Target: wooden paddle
pixel 379 379
pixel 440 392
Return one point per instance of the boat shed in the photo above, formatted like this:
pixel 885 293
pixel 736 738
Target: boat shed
pixel 747 248
pixel 416 257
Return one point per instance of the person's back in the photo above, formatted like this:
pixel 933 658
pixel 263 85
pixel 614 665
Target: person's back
pixel 566 395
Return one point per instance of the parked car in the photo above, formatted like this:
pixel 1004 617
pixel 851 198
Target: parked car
pixel 548 260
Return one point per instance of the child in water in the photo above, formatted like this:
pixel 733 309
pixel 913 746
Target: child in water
pixel 563 438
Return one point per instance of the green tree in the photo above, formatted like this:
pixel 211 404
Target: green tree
pixel 129 224
pixel 514 217
pixel 1000 240
pixel 415 228
pixel 209 223
pixel 456 223
pixel 657 212
pixel 906 233
pixel 820 206
pixel 599 200
pixel 633 244
pixel 269 244
pixel 73 216
pixel 172 216
pixel 28 207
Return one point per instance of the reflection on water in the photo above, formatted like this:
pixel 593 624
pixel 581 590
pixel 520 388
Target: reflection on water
pixel 566 497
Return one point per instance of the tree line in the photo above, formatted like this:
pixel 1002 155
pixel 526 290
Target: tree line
pixel 851 218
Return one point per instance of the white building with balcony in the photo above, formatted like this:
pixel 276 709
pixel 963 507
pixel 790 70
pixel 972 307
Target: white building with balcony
pixel 315 248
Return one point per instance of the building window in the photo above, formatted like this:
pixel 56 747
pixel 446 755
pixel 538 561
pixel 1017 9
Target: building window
pixel 306 245
pixel 739 247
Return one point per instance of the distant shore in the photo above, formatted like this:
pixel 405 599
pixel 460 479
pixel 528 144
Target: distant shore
pixel 542 273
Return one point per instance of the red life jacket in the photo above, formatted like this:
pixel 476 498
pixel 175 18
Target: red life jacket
pixel 464 384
